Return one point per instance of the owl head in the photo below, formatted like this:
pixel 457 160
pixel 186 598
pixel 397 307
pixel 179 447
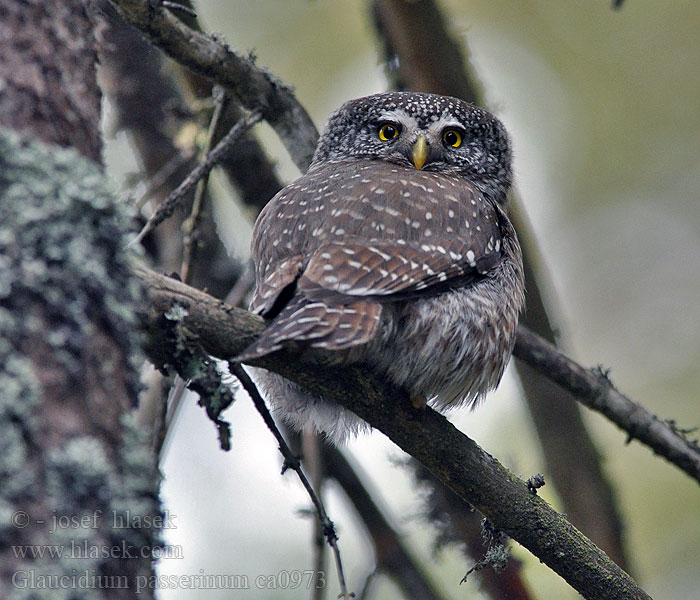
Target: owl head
pixel 422 131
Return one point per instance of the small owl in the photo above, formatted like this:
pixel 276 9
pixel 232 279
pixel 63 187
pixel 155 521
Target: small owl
pixel 394 250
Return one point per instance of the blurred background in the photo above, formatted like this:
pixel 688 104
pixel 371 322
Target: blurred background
pixel 604 109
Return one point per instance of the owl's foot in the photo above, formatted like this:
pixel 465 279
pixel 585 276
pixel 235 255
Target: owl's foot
pixel 418 402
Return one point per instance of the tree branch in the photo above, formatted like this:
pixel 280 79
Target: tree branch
pixel 463 466
pixel 292 462
pixel 457 522
pixel 253 87
pixel 593 388
pixel 151 109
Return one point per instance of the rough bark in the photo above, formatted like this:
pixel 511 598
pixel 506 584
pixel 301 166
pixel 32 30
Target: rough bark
pixel 71 461
pixel 47 58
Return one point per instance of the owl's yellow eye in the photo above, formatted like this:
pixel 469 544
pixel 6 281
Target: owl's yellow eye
pixel 388 131
pixel 452 138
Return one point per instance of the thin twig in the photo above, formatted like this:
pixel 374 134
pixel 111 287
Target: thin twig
pixel 161 177
pixel 292 462
pixel 191 225
pixel 167 208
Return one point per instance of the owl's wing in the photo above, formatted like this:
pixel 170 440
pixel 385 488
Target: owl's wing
pixel 393 271
pixel 297 318
pixel 335 300
pixel 318 324
pixel 273 281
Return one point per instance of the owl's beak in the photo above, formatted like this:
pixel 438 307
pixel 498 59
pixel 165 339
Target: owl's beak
pixel 420 152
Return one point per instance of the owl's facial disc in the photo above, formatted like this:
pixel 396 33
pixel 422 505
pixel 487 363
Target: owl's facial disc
pixel 420 143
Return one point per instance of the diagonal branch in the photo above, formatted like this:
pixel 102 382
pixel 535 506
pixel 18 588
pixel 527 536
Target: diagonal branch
pixel 292 462
pixel 252 86
pixel 593 388
pixel 455 459
pixel 225 331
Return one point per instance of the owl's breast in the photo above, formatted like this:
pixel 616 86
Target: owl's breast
pixel 452 348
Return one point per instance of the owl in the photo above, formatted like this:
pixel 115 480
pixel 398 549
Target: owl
pixel 393 251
